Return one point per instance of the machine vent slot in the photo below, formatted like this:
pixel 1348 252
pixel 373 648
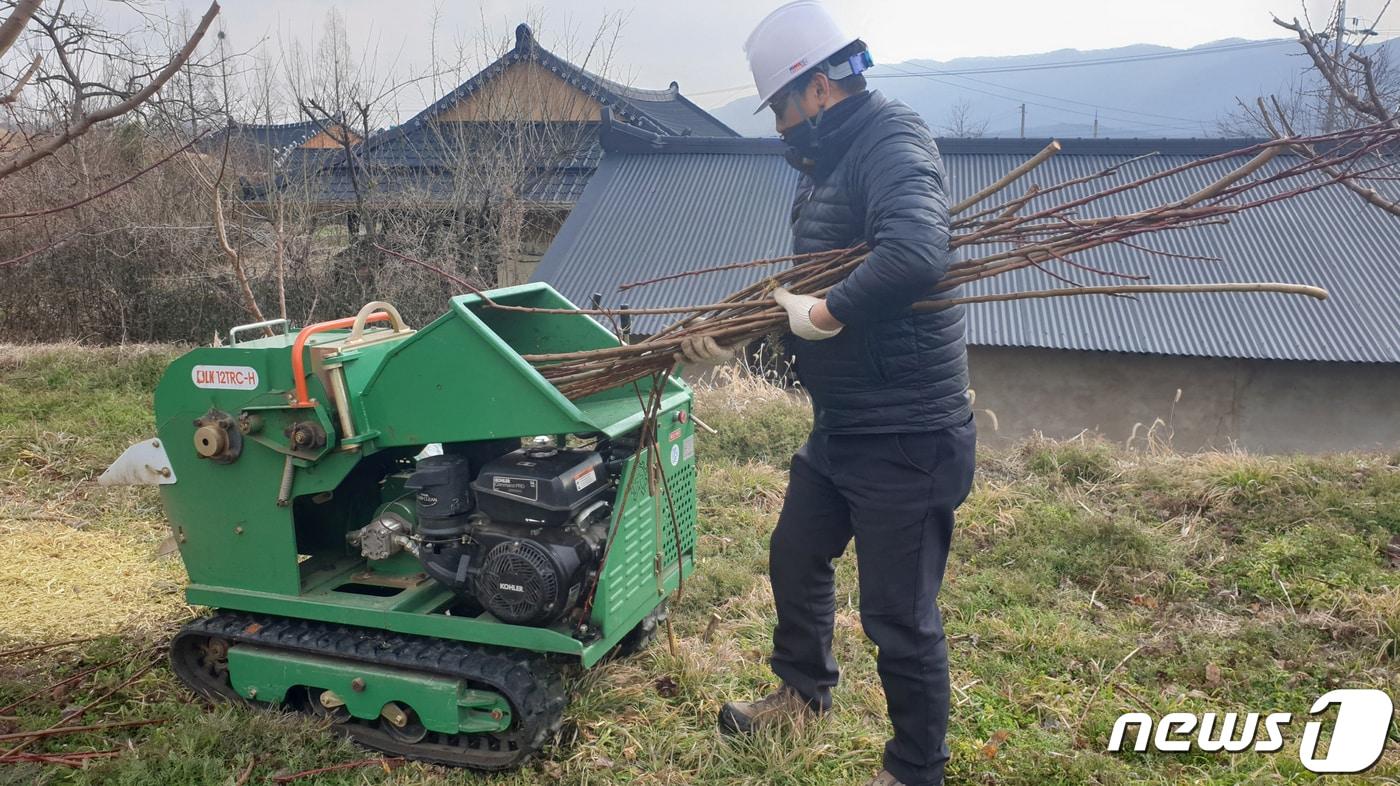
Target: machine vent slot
pixel 682 486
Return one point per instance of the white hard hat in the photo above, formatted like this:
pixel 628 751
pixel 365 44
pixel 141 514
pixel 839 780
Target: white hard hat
pixel 788 42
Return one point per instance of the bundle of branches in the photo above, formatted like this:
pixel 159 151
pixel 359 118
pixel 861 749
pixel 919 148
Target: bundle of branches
pixel 1034 229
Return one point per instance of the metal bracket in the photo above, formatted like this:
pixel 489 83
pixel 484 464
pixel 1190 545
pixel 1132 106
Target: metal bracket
pixel 142 464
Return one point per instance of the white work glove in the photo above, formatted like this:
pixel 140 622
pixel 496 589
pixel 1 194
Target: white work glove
pixel 703 351
pixel 799 309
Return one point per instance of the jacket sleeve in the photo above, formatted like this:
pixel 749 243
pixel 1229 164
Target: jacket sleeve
pixel 906 210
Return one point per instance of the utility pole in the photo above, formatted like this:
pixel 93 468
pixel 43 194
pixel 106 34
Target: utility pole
pixel 1096 124
pixel 1339 34
pixel 1023 121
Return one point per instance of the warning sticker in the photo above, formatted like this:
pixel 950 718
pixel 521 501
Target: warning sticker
pixel 524 488
pixel 585 479
pixel 689 445
pixel 675 435
pixel 225 377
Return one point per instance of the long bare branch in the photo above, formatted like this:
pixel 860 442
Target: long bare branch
pixel 13 95
pixel 250 301
pixel 14 24
pixel 1372 196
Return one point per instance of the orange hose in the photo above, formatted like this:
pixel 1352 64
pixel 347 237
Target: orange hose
pixel 298 347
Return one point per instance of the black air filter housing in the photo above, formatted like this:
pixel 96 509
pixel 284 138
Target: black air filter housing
pixel 442 495
pixel 540 486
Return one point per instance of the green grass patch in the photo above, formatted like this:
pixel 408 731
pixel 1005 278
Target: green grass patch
pixel 1084 582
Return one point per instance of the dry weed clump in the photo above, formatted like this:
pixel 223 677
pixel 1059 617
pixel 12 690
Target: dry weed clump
pixel 735 388
pixel 13 356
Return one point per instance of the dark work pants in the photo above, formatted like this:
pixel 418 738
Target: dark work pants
pixel 895 494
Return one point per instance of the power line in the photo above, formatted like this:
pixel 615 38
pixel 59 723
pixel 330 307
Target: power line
pixel 1051 66
pixel 1100 61
pixel 983 91
pixel 1080 103
pixel 717 91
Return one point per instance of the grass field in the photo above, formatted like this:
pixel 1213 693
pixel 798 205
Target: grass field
pixel 1085 582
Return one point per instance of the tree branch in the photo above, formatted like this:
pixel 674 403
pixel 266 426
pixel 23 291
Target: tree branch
pixel 86 122
pixel 1329 67
pixel 13 95
pixel 14 25
pixel 250 302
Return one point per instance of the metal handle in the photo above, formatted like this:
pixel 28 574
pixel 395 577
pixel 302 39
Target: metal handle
pixel 266 323
pixel 299 356
pixel 358 329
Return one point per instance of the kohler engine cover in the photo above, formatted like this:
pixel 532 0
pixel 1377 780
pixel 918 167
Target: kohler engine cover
pixel 520 582
pixel 522 575
pixel 519 552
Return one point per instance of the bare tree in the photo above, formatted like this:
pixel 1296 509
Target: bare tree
pixel 82 121
pixel 1361 90
pixel 253 241
pixel 88 100
pixel 506 149
pixel 961 123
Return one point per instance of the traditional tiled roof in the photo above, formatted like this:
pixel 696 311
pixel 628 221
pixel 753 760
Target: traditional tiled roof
pixel 420 158
pixel 278 137
pixel 421 163
pixel 664 112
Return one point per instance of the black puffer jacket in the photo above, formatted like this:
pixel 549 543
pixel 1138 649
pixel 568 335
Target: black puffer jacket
pixel 879 179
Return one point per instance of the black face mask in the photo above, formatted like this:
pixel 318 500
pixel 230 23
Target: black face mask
pixel 804 139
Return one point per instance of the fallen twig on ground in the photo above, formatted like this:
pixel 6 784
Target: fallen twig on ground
pixel 60 731
pixel 42 647
pixel 83 709
pixel 73 759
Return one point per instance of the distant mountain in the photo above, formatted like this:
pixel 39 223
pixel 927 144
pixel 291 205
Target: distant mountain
pixel 1136 91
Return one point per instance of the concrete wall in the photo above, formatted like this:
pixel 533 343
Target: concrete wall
pixel 537 232
pixel 1260 406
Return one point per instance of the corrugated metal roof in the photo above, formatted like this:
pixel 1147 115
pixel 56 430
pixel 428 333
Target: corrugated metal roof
pixel 665 206
pixel 656 214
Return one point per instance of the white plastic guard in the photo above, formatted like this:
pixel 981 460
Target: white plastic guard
pixel 142 464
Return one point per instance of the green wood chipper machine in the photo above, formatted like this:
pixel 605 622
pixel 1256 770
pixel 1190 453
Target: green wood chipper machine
pixel 412 533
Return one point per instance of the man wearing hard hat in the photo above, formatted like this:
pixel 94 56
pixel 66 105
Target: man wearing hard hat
pixel 891 452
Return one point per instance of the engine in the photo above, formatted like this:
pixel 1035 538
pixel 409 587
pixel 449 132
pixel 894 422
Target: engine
pixel 519 535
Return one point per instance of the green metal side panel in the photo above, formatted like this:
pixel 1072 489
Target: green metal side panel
pixel 633 580
pixel 467 381
pixel 442 704
pixel 224 516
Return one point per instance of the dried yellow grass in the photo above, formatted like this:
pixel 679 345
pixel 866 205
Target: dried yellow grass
pixel 736 388
pixel 65 583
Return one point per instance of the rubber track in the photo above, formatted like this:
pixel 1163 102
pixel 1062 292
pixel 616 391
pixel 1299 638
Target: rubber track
pixel 529 683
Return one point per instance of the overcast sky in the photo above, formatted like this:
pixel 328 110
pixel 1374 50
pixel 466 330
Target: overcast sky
pixel 699 44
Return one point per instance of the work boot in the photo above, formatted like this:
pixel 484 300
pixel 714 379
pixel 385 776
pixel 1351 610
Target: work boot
pixel 744 717
pixel 884 779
